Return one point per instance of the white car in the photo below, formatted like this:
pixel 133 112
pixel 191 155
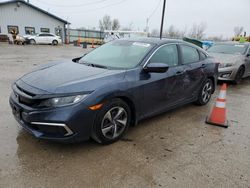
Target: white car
pixel 45 38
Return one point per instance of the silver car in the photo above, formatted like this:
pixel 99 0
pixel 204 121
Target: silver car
pixel 234 59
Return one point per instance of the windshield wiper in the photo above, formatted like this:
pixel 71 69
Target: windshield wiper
pixel 93 65
pixel 98 66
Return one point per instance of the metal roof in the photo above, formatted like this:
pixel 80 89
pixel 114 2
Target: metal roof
pixel 35 7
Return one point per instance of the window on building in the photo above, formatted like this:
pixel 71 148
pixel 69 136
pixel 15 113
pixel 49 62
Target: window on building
pixel 45 30
pixel 12 29
pixel 189 54
pixel 29 30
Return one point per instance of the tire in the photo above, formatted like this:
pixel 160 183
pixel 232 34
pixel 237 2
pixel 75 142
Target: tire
pixel 239 75
pixel 54 42
pixel 205 93
pixel 112 122
pixel 32 41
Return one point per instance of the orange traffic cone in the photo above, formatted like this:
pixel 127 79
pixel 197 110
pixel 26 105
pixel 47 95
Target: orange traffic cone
pixel 218 115
pixel 92 44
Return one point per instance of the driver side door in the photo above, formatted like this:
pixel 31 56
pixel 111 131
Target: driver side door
pixel 162 91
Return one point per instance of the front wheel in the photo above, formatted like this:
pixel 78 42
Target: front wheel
pixel 239 75
pixel 205 93
pixel 32 41
pixel 54 42
pixel 112 122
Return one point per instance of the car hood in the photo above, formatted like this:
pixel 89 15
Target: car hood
pixel 226 58
pixel 70 77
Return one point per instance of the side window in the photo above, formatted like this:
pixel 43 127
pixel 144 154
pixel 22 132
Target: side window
pixel 167 54
pixel 189 54
pixel 43 35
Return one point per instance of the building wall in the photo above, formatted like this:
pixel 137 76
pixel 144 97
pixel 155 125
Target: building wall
pixel 26 16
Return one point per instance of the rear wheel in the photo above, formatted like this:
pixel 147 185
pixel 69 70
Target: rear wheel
pixel 239 75
pixel 112 122
pixel 205 93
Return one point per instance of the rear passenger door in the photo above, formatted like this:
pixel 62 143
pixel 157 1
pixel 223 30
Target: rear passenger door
pixel 193 64
pixel 49 38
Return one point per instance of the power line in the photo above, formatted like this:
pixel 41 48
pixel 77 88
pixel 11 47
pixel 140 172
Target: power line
pixel 72 5
pixel 94 9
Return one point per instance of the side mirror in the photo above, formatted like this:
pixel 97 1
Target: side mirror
pixel 76 59
pixel 156 68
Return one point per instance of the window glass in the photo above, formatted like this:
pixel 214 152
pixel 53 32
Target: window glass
pixel 166 54
pixel 228 48
pixel 42 35
pixel 189 54
pixel 45 30
pixel 13 29
pixel 29 30
pixel 118 54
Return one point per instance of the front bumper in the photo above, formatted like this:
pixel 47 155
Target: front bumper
pixel 227 73
pixel 65 124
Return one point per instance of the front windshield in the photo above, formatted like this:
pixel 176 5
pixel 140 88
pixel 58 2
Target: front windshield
pixel 228 48
pixel 118 54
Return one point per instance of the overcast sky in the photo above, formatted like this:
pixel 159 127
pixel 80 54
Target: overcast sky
pixel 220 16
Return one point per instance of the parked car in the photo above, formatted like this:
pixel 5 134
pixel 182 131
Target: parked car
pixel 114 86
pixel 44 38
pixel 234 58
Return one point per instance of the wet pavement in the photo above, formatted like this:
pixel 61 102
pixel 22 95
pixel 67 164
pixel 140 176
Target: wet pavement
pixel 175 149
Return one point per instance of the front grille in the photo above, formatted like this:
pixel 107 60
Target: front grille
pixel 25 97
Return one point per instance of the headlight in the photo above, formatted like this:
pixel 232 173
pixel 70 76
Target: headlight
pixel 62 101
pixel 224 65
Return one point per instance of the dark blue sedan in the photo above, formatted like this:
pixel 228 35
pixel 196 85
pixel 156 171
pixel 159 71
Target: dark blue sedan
pixel 102 93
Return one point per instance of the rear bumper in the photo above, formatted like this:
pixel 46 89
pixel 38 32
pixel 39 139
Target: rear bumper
pixel 66 124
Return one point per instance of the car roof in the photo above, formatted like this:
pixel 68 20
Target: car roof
pixel 232 43
pixel 157 41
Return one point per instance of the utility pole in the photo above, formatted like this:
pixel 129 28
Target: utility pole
pixel 162 18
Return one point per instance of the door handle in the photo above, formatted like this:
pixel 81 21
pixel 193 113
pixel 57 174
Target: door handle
pixel 203 66
pixel 179 72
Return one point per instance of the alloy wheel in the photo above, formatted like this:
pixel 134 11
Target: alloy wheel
pixel 114 122
pixel 206 92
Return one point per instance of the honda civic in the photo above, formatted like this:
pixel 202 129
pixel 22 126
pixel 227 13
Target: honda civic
pixel 102 93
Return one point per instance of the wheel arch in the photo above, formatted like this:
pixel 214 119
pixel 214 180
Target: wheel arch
pixel 126 97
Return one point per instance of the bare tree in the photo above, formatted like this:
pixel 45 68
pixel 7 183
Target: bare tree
pixel 105 23
pixel 173 32
pixel 115 24
pixel 198 30
pixel 238 30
